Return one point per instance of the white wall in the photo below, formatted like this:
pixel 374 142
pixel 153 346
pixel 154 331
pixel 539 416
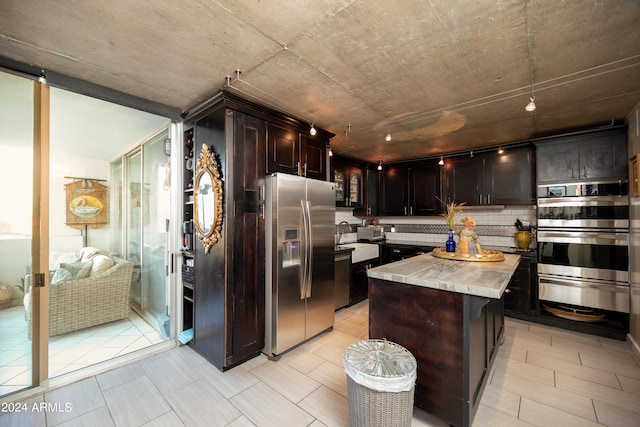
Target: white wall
pixel 67 165
pixel 15 249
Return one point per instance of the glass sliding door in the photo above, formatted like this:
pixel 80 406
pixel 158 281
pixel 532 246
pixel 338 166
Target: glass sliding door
pixel 133 222
pixel 16 193
pixel 57 147
pixel 145 177
pixel 155 231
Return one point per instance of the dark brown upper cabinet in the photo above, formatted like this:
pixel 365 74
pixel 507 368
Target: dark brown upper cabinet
pixel 583 157
pixel 492 178
pixel 290 151
pixel 394 191
pixel 370 201
pixel 409 189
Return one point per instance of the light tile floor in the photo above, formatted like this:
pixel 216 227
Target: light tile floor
pixel 543 377
pixel 67 352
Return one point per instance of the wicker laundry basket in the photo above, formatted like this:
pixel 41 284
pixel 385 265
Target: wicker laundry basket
pixel 381 376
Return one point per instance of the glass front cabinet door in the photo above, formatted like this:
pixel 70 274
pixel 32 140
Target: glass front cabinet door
pixel 348 180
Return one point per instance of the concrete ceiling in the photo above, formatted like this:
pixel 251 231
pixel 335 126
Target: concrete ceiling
pixel 441 76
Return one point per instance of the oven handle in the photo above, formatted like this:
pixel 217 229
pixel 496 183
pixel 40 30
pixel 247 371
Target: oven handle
pixel 602 238
pixel 584 201
pixel 582 282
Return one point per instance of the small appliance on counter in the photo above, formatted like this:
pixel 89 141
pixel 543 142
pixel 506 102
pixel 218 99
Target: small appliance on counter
pixel 371 233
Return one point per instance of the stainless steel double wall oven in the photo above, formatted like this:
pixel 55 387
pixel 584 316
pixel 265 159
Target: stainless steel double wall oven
pixel 583 244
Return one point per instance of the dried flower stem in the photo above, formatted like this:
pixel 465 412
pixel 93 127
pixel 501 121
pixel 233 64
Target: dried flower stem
pixel 453 208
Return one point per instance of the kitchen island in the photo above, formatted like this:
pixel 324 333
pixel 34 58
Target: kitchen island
pixel 450 315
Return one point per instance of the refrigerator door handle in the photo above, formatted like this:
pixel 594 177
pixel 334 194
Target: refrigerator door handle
pixel 309 251
pixel 305 253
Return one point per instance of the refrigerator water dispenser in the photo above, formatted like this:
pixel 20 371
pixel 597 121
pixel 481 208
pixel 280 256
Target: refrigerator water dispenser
pixel 291 248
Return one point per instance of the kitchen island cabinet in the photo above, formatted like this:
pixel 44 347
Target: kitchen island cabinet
pixel 450 316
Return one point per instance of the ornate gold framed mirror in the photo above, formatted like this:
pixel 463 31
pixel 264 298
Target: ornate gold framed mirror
pixel 207 199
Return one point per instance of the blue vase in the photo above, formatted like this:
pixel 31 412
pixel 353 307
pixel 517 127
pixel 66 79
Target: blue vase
pixel 451 244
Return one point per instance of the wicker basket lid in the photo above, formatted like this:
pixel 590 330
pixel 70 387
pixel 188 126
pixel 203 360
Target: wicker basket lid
pixel 381 365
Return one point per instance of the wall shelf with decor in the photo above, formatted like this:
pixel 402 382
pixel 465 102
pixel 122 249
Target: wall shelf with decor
pixel 188 261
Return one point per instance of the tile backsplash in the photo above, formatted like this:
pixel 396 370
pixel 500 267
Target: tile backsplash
pixel 495 226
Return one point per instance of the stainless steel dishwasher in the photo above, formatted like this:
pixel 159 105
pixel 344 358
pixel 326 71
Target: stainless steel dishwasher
pixel 342 278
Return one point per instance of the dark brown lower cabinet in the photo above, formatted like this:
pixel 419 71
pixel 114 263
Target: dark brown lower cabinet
pixel 359 281
pixel 454 338
pixel 521 295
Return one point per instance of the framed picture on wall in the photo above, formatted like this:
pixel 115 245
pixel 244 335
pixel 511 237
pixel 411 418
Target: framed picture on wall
pixel 86 203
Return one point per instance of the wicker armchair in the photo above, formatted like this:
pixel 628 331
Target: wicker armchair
pixel 78 304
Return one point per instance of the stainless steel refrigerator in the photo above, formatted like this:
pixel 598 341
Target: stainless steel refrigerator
pixel 300 229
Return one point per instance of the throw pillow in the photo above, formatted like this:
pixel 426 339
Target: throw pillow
pixel 62 257
pixel 61 275
pixel 101 263
pixel 78 270
pixel 88 253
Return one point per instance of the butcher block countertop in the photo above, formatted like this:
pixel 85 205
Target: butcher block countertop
pixel 484 279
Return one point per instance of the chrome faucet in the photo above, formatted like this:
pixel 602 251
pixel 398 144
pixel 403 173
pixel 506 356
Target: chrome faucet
pixel 341 229
pixel 340 226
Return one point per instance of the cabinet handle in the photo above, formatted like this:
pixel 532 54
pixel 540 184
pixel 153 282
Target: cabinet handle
pixel 480 199
pixel 411 210
pixel 368 210
pixel 507 291
pixel 585 171
pixel 571 171
pixel 304 169
pixel 298 168
pixel 488 199
pixel 405 211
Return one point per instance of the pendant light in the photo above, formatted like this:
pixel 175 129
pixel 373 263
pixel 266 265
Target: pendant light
pixel 313 130
pixel 531 106
pixel 388 137
pixel 441 162
pixel 380 165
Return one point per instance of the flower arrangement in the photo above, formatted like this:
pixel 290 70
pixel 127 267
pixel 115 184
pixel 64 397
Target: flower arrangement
pixel 453 208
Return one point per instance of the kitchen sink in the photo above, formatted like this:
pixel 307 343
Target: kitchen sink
pixel 361 251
